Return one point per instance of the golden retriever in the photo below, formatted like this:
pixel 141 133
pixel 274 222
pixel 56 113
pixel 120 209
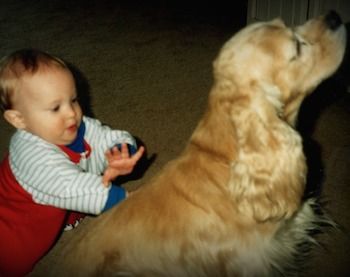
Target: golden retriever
pixel 232 203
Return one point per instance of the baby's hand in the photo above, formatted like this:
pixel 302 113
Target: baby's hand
pixel 120 162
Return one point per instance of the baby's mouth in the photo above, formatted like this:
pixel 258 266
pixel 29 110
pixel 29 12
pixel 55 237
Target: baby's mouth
pixel 72 128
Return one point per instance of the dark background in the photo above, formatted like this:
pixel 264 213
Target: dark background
pixel 146 67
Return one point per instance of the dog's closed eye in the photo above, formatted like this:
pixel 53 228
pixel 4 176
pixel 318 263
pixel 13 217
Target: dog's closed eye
pixel 298 47
pixel 299 44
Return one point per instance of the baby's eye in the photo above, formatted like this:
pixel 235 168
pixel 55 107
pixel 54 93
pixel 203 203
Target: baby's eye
pixel 75 100
pixel 55 109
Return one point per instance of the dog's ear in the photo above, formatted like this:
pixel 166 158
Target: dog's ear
pixel 278 22
pixel 214 133
pixel 265 197
pixel 267 180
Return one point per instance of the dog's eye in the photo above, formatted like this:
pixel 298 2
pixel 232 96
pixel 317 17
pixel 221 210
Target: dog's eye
pixel 298 46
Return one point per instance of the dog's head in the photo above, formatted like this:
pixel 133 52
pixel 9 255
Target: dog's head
pixel 282 63
pixel 262 74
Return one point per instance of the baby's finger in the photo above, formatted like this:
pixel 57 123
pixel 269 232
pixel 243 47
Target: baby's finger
pixel 108 154
pixel 138 154
pixel 115 149
pixel 113 154
pixel 124 151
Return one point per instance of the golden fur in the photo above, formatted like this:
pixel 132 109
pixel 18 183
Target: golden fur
pixel 231 203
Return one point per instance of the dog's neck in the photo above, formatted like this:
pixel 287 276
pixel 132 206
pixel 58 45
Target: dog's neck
pixel 273 96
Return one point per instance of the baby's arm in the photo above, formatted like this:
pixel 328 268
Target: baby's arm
pixel 52 179
pixel 45 172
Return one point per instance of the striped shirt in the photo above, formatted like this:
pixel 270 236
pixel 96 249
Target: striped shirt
pixel 45 171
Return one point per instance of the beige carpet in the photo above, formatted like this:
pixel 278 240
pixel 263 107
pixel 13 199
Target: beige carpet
pixel 146 68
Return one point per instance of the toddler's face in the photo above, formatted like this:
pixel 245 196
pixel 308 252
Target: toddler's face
pixel 48 104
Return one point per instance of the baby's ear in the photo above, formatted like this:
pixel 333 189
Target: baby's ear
pixel 15 118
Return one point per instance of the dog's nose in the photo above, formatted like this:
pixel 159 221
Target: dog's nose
pixel 333 20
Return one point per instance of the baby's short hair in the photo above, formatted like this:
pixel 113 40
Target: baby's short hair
pixel 18 64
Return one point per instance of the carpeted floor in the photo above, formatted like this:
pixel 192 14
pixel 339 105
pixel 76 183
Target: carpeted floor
pixel 146 68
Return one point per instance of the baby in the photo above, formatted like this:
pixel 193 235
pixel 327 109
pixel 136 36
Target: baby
pixel 60 163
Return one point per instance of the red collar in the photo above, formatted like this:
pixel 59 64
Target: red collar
pixel 74 156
